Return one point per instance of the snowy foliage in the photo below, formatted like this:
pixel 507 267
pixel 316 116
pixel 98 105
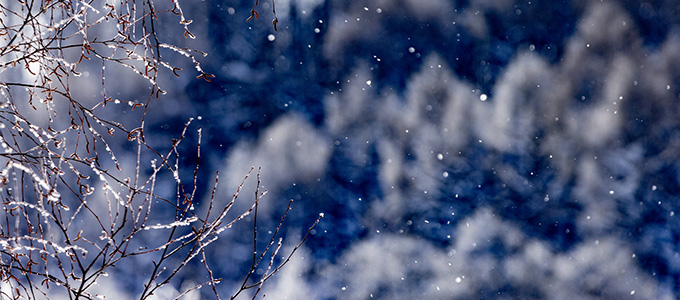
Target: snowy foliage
pixel 458 149
pixel 494 149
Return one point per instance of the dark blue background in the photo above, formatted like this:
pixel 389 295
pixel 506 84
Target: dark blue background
pixel 260 82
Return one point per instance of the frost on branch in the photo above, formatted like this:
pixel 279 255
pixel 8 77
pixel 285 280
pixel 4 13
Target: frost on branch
pixel 77 202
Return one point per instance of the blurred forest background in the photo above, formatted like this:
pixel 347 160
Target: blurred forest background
pixel 458 149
